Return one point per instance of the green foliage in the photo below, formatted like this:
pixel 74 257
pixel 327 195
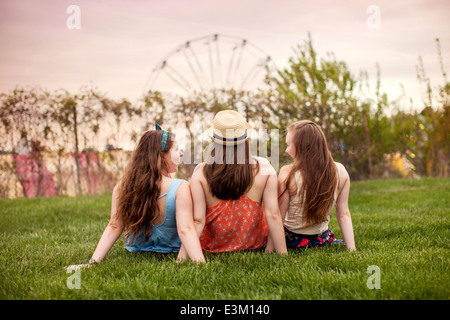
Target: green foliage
pixel 362 127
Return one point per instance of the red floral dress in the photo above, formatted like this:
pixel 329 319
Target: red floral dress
pixel 233 225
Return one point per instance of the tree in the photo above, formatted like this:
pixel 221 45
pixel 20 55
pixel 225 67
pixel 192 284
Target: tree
pixel 326 92
pixel 26 125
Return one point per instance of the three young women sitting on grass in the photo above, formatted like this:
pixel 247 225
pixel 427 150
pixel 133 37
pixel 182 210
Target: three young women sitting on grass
pixel 234 201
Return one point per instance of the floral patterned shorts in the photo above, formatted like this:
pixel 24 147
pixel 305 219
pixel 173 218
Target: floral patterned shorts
pixel 294 240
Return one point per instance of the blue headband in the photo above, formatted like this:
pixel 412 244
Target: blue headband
pixel 164 136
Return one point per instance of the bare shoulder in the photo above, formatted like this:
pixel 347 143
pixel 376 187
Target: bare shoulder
pixel 184 190
pixel 199 167
pixel 116 190
pixel 266 169
pixel 184 184
pixel 282 177
pixel 284 171
pixel 283 174
pixel 261 160
pixel 198 172
pixel 342 171
pixel 344 177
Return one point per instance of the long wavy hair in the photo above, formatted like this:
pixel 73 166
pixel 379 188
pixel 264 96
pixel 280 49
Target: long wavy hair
pixel 141 184
pixel 229 171
pixel 317 169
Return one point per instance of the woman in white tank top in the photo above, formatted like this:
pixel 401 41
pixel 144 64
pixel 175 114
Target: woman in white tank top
pixel 310 187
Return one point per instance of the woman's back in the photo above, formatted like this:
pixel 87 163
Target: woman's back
pixel 229 189
pixel 154 210
pixel 254 192
pixel 294 218
pixel 235 224
pixel 164 236
pixel 162 197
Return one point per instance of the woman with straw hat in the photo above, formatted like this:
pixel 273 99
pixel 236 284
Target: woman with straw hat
pixel 229 190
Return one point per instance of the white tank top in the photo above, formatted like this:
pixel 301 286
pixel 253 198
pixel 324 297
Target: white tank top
pixel 294 218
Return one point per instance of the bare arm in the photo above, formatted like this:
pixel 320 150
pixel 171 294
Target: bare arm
pixel 112 232
pixel 283 201
pixel 185 225
pixel 283 193
pixel 199 203
pixel 342 211
pixel 198 197
pixel 272 213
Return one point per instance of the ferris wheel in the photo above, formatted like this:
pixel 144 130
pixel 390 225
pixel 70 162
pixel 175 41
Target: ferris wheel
pixel 213 62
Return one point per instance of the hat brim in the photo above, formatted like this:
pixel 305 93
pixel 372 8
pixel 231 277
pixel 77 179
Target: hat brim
pixel 210 133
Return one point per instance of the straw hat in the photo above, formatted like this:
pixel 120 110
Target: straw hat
pixel 229 128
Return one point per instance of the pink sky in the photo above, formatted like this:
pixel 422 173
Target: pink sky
pixel 120 42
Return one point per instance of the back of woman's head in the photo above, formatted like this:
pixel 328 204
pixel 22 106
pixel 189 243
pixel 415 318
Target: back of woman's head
pixel 310 143
pixel 141 183
pixel 229 170
pixel 315 163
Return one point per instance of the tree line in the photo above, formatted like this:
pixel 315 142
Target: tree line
pixel 363 127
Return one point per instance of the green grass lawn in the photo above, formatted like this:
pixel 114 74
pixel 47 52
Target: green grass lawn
pixel 401 226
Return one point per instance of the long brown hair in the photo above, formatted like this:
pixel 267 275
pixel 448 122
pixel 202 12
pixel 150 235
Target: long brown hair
pixel 141 184
pixel 318 172
pixel 229 171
